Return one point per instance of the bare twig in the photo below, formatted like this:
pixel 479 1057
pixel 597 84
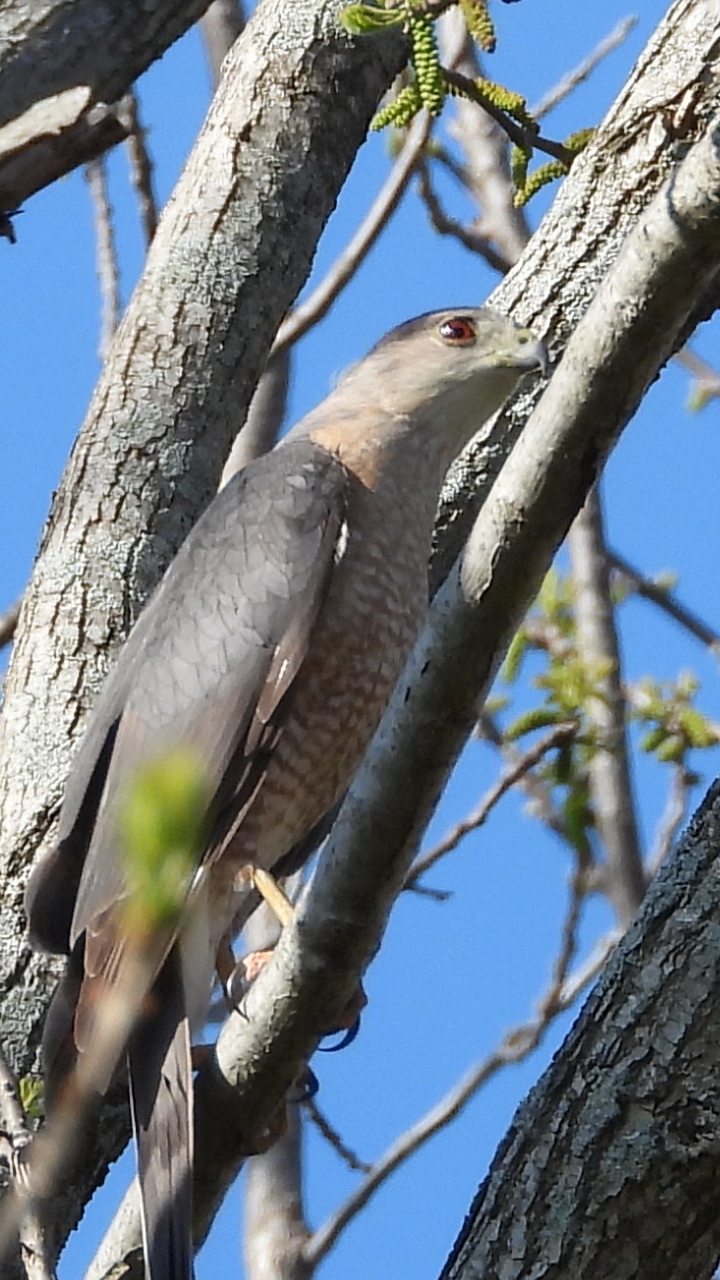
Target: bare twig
pixel 538 792
pixel 380 212
pixel 264 418
pixel 51 138
pixel 586 972
pixel 515 1046
pixel 33 1247
pixel 105 254
pixel 46 1158
pixel 141 166
pixel 275 1229
pixel 570 82
pixel 220 25
pixel 707 377
pixel 664 599
pixel 333 1138
pixel 558 736
pixel 611 791
pixel 486 171
pixel 471 238
pixel 675 809
pixel 8 623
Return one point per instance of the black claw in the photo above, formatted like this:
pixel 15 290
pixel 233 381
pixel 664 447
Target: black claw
pixel 343 1043
pixel 306 1088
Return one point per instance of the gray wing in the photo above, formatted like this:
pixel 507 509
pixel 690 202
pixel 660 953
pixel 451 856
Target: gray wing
pixel 206 666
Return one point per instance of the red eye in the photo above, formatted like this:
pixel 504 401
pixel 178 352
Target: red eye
pixel 458 330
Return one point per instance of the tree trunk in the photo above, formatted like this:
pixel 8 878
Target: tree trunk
pixel 230 255
pixel 611 1166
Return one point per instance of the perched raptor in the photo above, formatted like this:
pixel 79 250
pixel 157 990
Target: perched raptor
pixel 270 650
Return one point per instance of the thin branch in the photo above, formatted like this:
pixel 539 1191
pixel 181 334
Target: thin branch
pixel 539 792
pixel 515 1046
pixel 486 171
pixel 558 736
pixel 333 1138
pixel 220 25
pixel 611 791
pixel 141 165
pixel 51 138
pixel 468 236
pixel 664 599
pixel 105 254
pixel 47 1157
pixel 584 69
pixel 517 133
pixel 586 972
pixel 672 818
pixel 275 1229
pixel 379 214
pixel 8 623
pixel 265 416
pixel 703 371
pixel 33 1243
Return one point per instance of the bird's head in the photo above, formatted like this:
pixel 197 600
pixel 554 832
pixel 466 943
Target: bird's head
pixel 466 360
pixel 436 379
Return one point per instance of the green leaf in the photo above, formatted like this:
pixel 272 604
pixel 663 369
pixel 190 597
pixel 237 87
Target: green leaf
pixel 163 825
pixel 363 19
pixel 539 718
pixel 514 657
pixel 698 731
pixel 31 1096
pixel 672 750
pixel 651 741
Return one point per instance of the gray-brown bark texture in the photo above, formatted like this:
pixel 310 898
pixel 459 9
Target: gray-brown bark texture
pixel 49 46
pixel 611 1167
pixel 61 64
pixel 232 251
pixel 229 256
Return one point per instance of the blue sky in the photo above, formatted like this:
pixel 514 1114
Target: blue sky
pixel 450 978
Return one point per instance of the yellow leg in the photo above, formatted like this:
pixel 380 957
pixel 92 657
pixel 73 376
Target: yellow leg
pixel 269 889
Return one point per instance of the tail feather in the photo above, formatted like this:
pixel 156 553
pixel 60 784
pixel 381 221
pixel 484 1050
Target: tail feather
pixel 161 1105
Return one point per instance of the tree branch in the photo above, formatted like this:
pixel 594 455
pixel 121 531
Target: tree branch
pixel 377 217
pixel 48 47
pixel 515 1046
pixel 172 395
pixel 611 1165
pixel 664 599
pixel 611 792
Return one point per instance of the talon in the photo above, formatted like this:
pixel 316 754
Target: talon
pixel 347 1038
pixel 225 963
pixel 307 1085
pixel 242 976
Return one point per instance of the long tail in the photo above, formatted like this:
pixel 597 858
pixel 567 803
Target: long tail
pixel 161 1104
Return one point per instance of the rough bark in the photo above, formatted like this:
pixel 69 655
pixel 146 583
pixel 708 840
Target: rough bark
pixel 51 138
pixel 49 46
pixel 611 1166
pixel 61 64
pixel 175 372
pixel 665 264
pixel 232 251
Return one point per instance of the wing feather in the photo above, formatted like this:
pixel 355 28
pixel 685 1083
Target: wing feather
pixel 208 666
